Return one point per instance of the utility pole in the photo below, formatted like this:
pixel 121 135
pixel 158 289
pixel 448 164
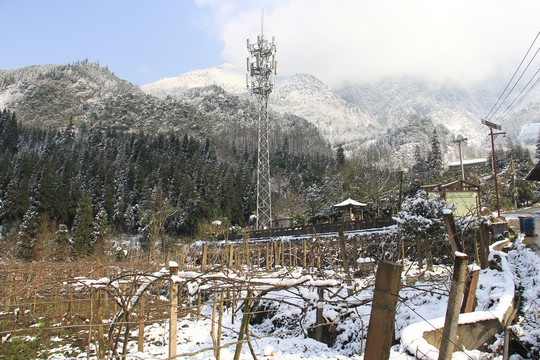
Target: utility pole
pixel 514 180
pixel 261 67
pixel 492 126
pixel 459 140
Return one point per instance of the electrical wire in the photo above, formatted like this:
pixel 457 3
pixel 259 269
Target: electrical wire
pixel 519 100
pixel 497 105
pixel 487 117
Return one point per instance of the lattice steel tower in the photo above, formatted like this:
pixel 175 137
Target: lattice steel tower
pixel 261 67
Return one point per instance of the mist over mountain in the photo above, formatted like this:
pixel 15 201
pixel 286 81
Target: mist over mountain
pixel 354 115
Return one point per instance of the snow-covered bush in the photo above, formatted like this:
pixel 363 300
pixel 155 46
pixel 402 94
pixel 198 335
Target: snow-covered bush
pixel 421 220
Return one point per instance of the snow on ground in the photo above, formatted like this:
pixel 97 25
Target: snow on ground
pixel 282 333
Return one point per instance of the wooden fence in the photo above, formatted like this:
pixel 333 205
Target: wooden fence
pixel 313 229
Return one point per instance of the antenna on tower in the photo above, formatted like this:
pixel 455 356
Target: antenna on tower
pixel 261 68
pixel 262 22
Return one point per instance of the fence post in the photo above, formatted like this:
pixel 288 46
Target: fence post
pixel 469 296
pixel 182 256
pixel 173 323
pixel 455 242
pixel 204 257
pixel 213 326
pixel 454 303
pixel 484 246
pixel 345 257
pixel 230 257
pixel 244 326
pixel 319 319
pixel 267 256
pixel 383 310
pixel 100 337
pixel 140 347
pixel 304 254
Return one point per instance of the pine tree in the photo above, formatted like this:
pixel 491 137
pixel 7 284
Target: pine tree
pixel 434 159
pixel 82 226
pixel 62 244
pixel 26 245
pixel 340 156
pixel 9 132
pixel 98 238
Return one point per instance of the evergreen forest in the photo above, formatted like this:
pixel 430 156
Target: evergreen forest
pixel 67 193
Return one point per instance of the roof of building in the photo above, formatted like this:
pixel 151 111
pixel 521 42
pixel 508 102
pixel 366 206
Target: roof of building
pixel 468 163
pixel 454 185
pixel 350 202
pixel 534 174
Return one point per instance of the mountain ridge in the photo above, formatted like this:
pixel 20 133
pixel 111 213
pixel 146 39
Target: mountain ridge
pixel 357 114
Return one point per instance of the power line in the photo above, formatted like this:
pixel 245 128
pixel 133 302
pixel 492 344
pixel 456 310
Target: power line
pixel 519 100
pixel 491 112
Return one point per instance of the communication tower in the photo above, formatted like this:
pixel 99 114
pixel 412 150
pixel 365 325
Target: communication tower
pixel 261 68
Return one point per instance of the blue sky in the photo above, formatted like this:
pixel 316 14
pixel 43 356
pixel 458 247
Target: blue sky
pixel 335 40
pixel 141 41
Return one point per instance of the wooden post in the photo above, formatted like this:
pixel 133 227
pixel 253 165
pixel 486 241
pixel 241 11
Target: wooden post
pixel 276 254
pixel 230 258
pixel 304 254
pixel 204 257
pixel 173 323
pixel 313 254
pixel 455 242
pixel 140 347
pixel 282 253
pixel 290 254
pixel 454 303
pixel 319 262
pixel 213 326
pixel 319 319
pixel 100 336
pixel 484 246
pixel 247 250
pixel 383 310
pixel 469 294
pixel 90 330
pixel 345 258
pixel 239 260
pixel 182 256
pixel 267 256
pixel 355 252
pixel 244 325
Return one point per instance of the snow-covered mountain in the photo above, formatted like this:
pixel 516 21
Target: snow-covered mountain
pixel 357 113
pixel 89 95
pixel 53 95
pixel 225 76
pixel 341 122
pixel 391 102
pixel 303 95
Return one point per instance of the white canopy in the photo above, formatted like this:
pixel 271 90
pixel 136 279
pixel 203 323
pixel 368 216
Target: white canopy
pixel 350 202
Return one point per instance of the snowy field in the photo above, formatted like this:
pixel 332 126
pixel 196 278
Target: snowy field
pixel 281 332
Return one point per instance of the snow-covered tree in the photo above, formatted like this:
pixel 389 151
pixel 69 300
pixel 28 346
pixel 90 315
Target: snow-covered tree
pixel 434 159
pixel 421 219
pixel 82 226
pixel 62 243
pixel 98 238
pixel 27 243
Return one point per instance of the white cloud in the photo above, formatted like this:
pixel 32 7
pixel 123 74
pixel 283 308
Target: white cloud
pixel 340 40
